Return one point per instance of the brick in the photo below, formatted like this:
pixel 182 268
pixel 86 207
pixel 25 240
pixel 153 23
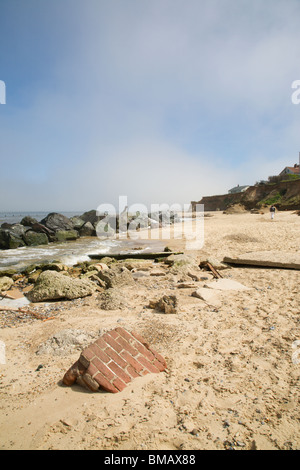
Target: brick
pixel 101 343
pixel 144 351
pixel 119 372
pixel 161 367
pixel 105 384
pixel 135 344
pixel 125 345
pixel 116 357
pixel 114 333
pixel 103 369
pixel 109 340
pixel 136 365
pixel 113 361
pixel 158 357
pixel 119 384
pixel 92 370
pixel 132 372
pixel 148 364
pixel 124 333
pixel 87 355
pixel 90 383
pixel 140 339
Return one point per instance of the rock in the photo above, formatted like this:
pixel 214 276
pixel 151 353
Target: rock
pixel 8 272
pixel 5 283
pixel 77 222
pixel 167 304
pixel 52 285
pixel 9 239
pixel 57 222
pixel 65 342
pixel 112 299
pixel 87 230
pixel 179 260
pixel 59 267
pixel 137 264
pixel 91 216
pixel 28 221
pixel 66 235
pixel 34 239
pixel 116 276
pixel 104 230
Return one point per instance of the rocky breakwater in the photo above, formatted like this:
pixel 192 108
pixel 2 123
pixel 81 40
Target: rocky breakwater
pixel 57 227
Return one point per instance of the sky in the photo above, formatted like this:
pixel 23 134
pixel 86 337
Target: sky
pixel 158 101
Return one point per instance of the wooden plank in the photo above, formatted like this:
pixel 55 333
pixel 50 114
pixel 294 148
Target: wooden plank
pixel 121 256
pixel 267 259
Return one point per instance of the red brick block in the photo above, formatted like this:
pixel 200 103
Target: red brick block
pixel 105 384
pixel 148 364
pixel 138 367
pixel 113 361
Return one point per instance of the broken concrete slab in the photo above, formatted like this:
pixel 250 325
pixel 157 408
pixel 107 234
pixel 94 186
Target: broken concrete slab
pixel 113 361
pixel 269 259
pixel 226 285
pixel 208 296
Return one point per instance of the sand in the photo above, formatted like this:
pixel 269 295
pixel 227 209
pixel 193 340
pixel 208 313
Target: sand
pixel 233 370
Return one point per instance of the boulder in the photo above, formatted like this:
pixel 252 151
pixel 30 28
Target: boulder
pixel 56 222
pixel 104 230
pixel 28 221
pixel 66 235
pixel 91 216
pixel 32 238
pixel 5 283
pixel 77 222
pixel 11 238
pixel 87 230
pixel 116 276
pixel 52 285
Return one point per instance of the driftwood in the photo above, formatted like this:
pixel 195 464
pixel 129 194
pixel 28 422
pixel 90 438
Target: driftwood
pixel 22 310
pixel 216 274
pixel 121 256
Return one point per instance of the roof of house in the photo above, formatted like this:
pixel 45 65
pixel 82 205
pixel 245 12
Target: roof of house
pixel 293 169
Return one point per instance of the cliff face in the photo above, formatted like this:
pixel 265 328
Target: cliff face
pixel 284 195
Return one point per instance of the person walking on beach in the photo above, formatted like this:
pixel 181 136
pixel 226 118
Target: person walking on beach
pixel 272 211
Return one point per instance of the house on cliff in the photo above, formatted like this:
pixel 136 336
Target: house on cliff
pixel 290 170
pixel 238 189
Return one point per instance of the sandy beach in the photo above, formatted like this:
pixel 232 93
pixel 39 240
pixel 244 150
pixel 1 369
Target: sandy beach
pixel 232 378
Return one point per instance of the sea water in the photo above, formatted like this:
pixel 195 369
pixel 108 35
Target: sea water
pixel 70 252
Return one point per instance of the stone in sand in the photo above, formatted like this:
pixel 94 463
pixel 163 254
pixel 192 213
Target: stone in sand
pixel 52 285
